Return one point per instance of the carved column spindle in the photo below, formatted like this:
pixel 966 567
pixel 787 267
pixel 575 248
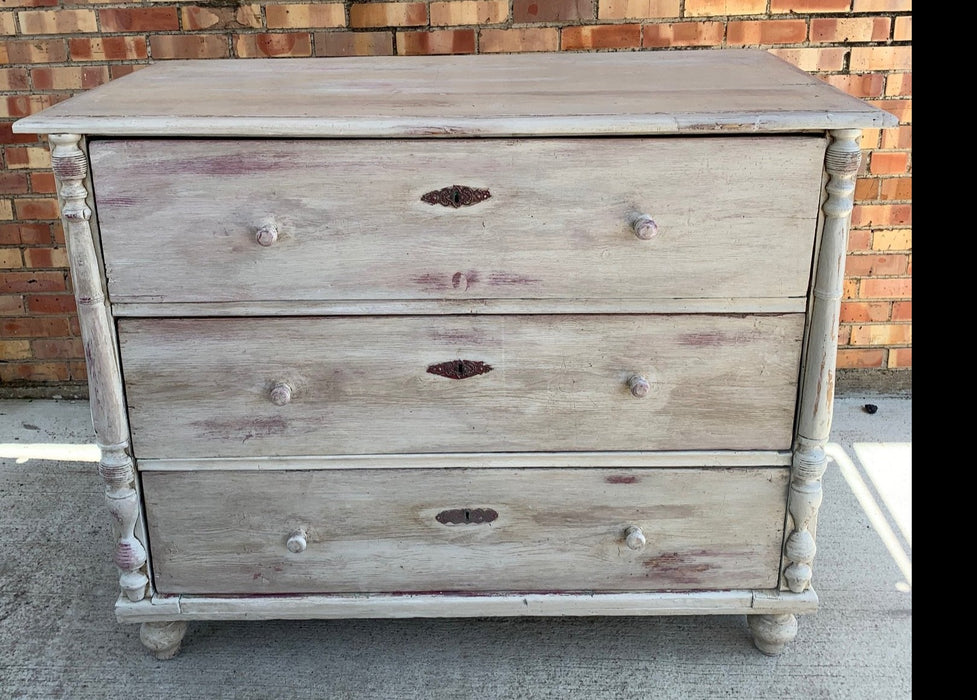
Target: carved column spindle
pixel 817 391
pixel 70 167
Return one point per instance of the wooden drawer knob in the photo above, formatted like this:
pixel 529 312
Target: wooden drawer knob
pixel 281 394
pixel 639 386
pixel 644 226
pixel 296 543
pixel 267 234
pixel 634 537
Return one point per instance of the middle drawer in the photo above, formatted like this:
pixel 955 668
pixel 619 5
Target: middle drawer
pixel 247 387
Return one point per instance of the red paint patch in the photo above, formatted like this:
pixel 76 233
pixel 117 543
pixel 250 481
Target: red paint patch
pixel 621 479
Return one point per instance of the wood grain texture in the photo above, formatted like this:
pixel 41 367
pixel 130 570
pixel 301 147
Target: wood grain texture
pixel 540 94
pixel 178 219
pixel 312 606
pixel 199 388
pixel 214 532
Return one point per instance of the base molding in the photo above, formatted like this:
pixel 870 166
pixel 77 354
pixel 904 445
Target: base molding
pixel 309 607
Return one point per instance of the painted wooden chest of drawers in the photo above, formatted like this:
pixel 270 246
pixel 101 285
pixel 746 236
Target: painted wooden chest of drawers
pixel 461 336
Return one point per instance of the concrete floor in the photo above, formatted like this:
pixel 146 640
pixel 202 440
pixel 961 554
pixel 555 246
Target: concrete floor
pixel 59 638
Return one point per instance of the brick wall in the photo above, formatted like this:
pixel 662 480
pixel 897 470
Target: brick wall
pixel 51 49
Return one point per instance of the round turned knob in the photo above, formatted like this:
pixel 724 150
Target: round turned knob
pixel 267 234
pixel 644 226
pixel 639 386
pixel 296 543
pixel 634 537
pixel 281 394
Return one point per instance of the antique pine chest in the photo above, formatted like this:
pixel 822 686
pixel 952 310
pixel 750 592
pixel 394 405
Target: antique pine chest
pixel 546 334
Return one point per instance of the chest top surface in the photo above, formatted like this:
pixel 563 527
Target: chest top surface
pixel 715 91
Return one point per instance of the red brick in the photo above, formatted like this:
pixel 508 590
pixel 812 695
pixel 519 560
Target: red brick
pixel 809 6
pixel 294 44
pixel 867 189
pixel 24 105
pixel 858 85
pixel 896 189
pixel 682 34
pixel 785 31
pixel 715 8
pixel 13 182
pixel 295 16
pixel 59 21
pixel 10 259
pixel 388 14
pixel 889 163
pixel 848 358
pixel 34 372
pixel 898 138
pixel 443 41
pixel 46 208
pixel 142 19
pixel 606 36
pixel 69 77
pixel 51 304
pixel 874 265
pixel 903 29
pixel 868 58
pixel 34 51
pixel 30 282
pixel 899 85
pixel 28 3
pixel 77 370
pixel 519 40
pixel 552 10
pixel 15 234
pixel 830 30
pixel 58 348
pixel 849 291
pixel 14 350
pixel 900 358
pixel 45 257
pixel 242 16
pixel 639 9
pixel 109 48
pixel 7 136
pixel 882 6
pixel 892 239
pixel 469 12
pixel 33 327
pixel 14 79
pixel 166 46
pixel 886 288
pixel 814 60
pixel 43 183
pixel 353 43
pixel 902 311
pixel 11 305
pixel 864 311
pixel 881 334
pixel 882 215
pixel 859 240
pixel 117 71
pixel 903 109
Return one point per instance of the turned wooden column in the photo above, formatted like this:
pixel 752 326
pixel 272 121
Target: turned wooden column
pixel 70 166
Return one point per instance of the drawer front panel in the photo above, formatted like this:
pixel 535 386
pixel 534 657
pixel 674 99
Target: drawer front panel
pixel 179 220
pixel 371 385
pixel 526 530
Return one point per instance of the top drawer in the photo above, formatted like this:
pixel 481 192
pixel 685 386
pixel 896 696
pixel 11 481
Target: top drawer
pixel 179 218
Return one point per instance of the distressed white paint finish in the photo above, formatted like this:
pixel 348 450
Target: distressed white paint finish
pixel 70 167
pixel 379 531
pixel 320 606
pixel 817 390
pixel 200 388
pixel 179 218
pixel 539 94
pixel 434 307
pixel 714 235
pixel 483 460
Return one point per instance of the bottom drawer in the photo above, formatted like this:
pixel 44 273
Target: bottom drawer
pixel 391 530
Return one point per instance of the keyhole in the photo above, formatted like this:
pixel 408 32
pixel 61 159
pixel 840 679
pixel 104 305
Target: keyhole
pixel 456 196
pixel 461 368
